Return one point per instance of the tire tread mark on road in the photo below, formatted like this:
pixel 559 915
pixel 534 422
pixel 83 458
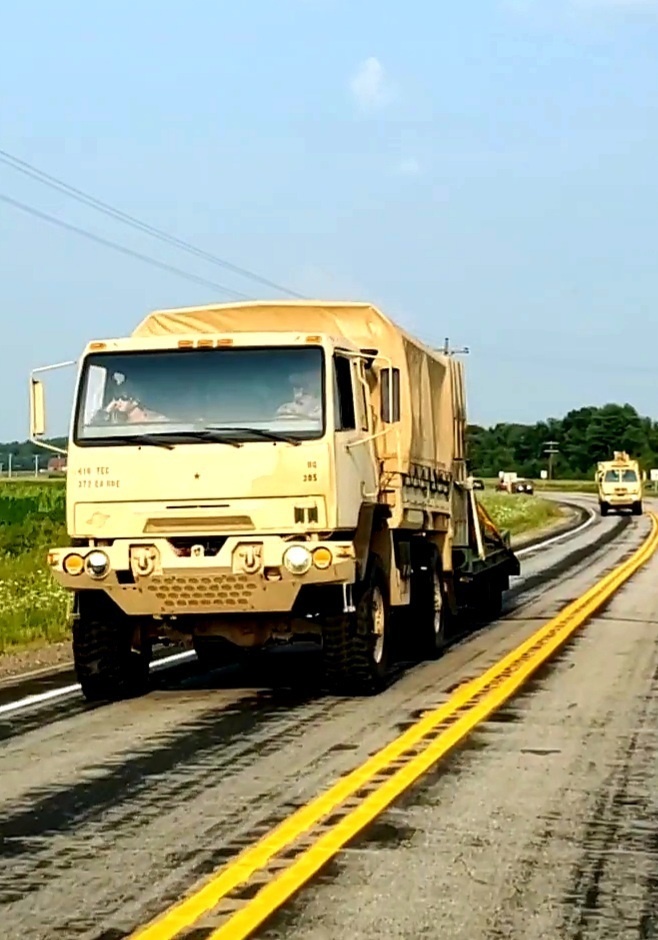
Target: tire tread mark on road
pixel 622 823
pixel 571 559
pixel 216 744
pixel 24 722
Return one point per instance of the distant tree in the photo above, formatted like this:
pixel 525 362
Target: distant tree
pixel 584 436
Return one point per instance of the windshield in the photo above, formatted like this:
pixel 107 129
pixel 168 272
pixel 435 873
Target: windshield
pixel 623 476
pixel 237 391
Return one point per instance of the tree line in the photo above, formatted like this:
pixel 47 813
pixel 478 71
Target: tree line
pixel 583 437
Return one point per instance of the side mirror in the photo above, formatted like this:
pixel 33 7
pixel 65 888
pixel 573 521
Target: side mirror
pixel 37 409
pixel 390 379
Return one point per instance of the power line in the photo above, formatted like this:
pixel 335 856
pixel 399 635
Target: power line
pixel 33 172
pixel 118 247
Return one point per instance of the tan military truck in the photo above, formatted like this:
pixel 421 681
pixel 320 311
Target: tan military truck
pixel 619 483
pixel 263 472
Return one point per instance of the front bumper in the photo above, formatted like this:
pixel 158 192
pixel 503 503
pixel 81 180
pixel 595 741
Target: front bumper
pixel 152 578
pixel 621 499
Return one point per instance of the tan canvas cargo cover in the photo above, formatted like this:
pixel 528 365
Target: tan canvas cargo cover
pixel 431 432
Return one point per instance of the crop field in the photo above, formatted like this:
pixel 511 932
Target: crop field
pixel 33 609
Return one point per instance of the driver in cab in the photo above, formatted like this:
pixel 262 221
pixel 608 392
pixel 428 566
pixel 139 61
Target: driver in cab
pixel 125 407
pixel 304 403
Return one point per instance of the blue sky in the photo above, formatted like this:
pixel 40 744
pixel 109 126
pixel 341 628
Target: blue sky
pixel 484 171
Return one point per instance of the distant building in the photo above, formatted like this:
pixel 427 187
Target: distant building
pixel 57 465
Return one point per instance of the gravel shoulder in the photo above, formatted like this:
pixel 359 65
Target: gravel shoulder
pixel 542 826
pixel 34 659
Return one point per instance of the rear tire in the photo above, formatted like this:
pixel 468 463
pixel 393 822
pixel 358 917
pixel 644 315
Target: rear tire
pixel 429 608
pixel 356 647
pixel 107 667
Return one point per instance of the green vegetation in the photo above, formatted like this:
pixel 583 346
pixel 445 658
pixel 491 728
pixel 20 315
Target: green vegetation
pixel 519 513
pixel 32 608
pixel 584 436
pixel 555 486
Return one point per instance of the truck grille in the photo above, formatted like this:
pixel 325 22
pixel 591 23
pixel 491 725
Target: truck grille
pixel 230 591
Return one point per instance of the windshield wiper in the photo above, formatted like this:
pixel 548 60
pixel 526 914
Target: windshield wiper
pixel 206 435
pixel 259 432
pixel 151 439
pixel 169 439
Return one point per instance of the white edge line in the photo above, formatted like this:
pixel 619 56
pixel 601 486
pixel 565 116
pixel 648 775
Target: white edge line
pixel 556 538
pixel 166 661
pixel 41 697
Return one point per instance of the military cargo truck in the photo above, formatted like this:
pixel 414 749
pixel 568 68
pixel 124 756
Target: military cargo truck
pixel 619 483
pixel 261 472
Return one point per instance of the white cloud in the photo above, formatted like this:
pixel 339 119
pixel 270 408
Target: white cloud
pixel 409 167
pixel 370 86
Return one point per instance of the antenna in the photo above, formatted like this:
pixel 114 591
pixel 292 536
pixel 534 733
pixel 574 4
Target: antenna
pixel 447 351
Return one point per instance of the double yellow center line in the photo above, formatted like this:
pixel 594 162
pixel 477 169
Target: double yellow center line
pixel 243 894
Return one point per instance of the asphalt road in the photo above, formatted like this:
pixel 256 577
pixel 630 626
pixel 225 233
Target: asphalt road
pixel 544 825
pixel 109 814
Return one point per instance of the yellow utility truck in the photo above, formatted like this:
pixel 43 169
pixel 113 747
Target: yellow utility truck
pixel 260 472
pixel 619 483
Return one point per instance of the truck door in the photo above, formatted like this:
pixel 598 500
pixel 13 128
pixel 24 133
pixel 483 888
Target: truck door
pixel 356 470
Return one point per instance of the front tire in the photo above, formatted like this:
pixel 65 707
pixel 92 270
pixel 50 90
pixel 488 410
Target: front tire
pixel 107 666
pixel 637 509
pixel 356 646
pixel 605 508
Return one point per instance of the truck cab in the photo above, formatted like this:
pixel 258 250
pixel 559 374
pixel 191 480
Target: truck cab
pixel 619 484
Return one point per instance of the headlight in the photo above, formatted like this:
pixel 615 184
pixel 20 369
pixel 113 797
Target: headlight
pixel 97 564
pixel 73 564
pixel 322 558
pixel 297 559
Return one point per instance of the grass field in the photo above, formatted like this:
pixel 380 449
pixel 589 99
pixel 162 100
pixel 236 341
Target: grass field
pixel 519 513
pixel 555 486
pixel 33 610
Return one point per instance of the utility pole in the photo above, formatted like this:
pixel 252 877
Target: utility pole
pixel 551 448
pixel 36 465
pixel 10 455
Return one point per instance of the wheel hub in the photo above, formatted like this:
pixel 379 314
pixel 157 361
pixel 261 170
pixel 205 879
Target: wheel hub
pixel 378 624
